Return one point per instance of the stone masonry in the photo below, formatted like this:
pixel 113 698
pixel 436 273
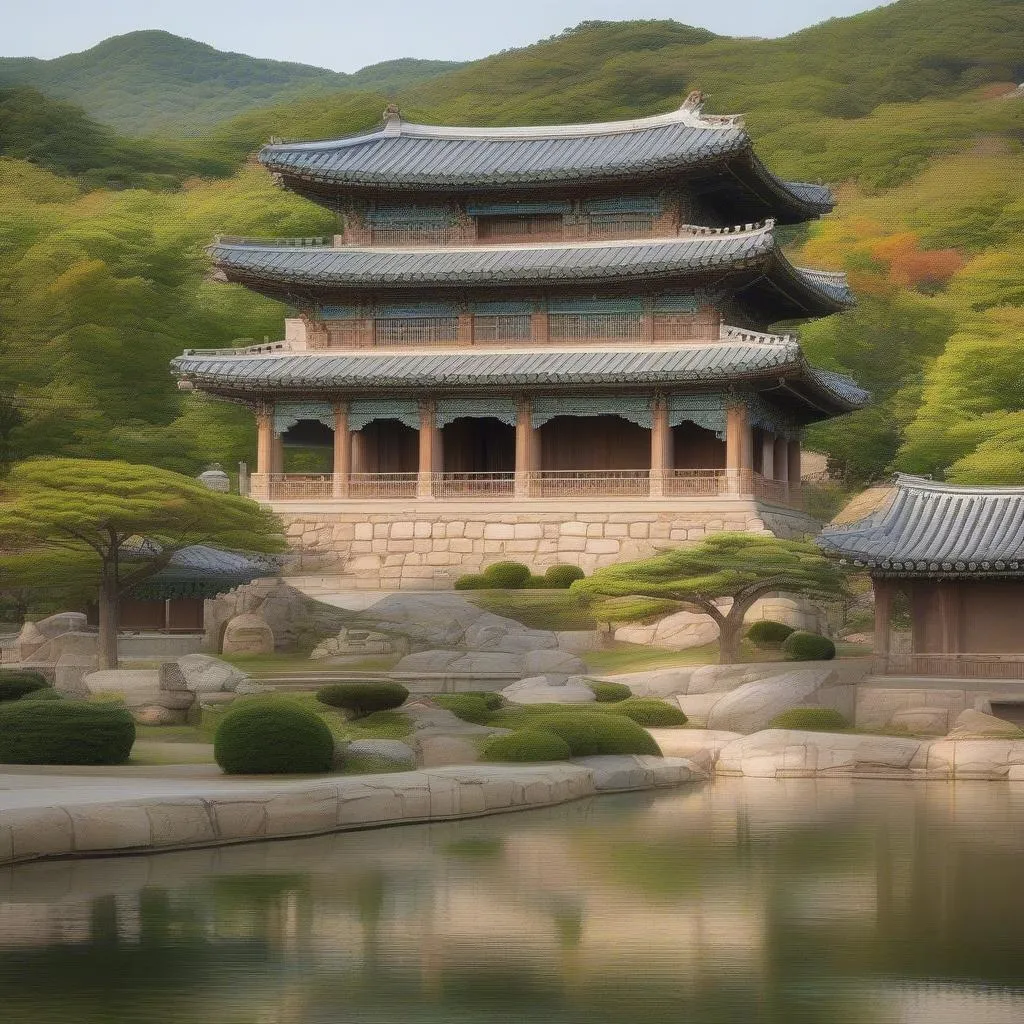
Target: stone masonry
pixel 415 547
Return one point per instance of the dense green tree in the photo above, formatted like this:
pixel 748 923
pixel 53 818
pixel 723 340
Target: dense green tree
pixel 741 567
pixel 119 524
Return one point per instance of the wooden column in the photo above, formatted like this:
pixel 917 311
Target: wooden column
pixel 883 615
pixel 264 439
pixel 780 459
pixel 342 452
pixel 661 446
pixel 464 335
pixel 539 326
pixel 739 452
pixel 768 455
pixel 358 451
pixel 949 616
pixel 430 449
pixel 793 459
pixel 277 457
pixel 525 448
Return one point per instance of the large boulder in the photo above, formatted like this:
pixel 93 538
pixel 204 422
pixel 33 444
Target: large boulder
pixel 777 753
pixel 676 632
pixel 201 673
pixel 989 759
pixel 494 633
pixel 142 694
pixel 435 620
pixel 389 751
pixel 971 724
pixel 248 634
pixel 661 682
pixel 552 662
pixel 753 705
pixel 928 720
pixel 548 690
pixel 63 622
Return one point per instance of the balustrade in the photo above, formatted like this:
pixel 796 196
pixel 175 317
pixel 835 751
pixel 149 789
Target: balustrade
pixel 954 666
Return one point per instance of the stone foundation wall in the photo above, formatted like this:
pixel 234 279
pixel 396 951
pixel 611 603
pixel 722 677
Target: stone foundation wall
pixel 434 544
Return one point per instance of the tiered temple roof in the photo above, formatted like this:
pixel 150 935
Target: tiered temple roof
pixel 919 527
pixel 305 274
pixel 713 154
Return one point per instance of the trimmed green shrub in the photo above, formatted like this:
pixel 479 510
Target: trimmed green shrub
pixel 472 581
pixel 65 732
pixel 269 736
pixel 607 693
pixel 769 633
pixel 470 707
pixel 650 711
pixel 46 693
pixel 599 734
pixel 507 575
pixel 800 646
pixel 14 685
pixel 563 575
pixel 361 699
pixel 812 719
pixel 527 745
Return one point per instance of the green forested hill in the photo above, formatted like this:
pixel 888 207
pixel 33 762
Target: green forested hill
pixel 154 82
pixel 904 110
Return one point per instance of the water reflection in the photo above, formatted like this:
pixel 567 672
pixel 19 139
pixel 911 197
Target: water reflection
pixel 743 901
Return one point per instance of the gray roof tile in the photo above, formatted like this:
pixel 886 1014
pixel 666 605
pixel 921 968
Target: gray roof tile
pixel 927 528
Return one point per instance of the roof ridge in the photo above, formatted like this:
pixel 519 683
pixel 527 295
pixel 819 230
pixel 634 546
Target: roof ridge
pixel 911 482
pixel 689 114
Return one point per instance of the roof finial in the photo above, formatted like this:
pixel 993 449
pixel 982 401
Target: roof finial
pixel 694 102
pixel 392 113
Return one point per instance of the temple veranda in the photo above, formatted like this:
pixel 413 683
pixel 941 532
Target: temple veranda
pixel 548 343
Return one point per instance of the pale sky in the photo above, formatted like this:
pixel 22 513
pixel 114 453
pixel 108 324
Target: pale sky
pixel 346 35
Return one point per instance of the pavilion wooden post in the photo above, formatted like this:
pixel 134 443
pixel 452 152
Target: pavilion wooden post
pixel 260 480
pixel 768 455
pixel 661 446
pixel 358 451
pixel 949 616
pixel 526 448
pixel 430 449
pixel 793 461
pixel 342 452
pixel 883 616
pixel 739 451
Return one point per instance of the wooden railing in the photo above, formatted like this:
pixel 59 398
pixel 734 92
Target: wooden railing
pixel 546 483
pixel 952 666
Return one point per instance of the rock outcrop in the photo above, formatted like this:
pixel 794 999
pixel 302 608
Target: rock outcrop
pixel 549 690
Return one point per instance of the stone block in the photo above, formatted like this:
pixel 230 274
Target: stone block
pixel 474 530
pixel 99 827
pixel 573 529
pixel 365 805
pixel 499 531
pixel 437 530
pixel 180 823
pixel 616 530
pixel 461 544
pixel 306 810
pixel 595 529
pixel 528 531
pixel 39 832
pixel 602 547
pixel 402 530
pixel 454 529
pixel 422 529
pixel 239 819
pixel 572 543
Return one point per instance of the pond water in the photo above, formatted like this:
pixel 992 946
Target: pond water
pixel 855 902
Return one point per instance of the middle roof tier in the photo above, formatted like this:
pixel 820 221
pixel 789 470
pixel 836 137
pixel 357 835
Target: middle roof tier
pixel 747 264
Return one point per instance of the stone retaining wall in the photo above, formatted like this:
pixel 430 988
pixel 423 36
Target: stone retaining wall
pixel 166 815
pixel 416 545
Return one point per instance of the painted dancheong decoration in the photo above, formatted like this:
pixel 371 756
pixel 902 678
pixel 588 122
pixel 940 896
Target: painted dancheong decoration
pixel 535 318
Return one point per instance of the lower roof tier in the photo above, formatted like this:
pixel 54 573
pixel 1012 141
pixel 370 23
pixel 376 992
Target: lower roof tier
pixel 919 527
pixel 778 368
pixel 748 263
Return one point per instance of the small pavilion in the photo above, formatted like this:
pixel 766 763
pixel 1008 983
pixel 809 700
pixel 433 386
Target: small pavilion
pixel 957 555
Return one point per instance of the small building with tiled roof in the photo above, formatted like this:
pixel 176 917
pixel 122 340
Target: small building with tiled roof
pixel 556 343
pixel 955 555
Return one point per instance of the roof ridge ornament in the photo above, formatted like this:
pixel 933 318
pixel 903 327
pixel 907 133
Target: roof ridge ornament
pixel 392 119
pixel 694 102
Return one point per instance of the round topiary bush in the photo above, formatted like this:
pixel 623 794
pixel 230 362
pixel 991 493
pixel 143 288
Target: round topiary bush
pixel 650 712
pixel 14 685
pixel 608 693
pixel 599 734
pixel 810 719
pixel 270 736
pixel 470 707
pixel 361 699
pixel 802 646
pixel 65 732
pixel 507 575
pixel 526 745
pixel 472 581
pixel 46 693
pixel 769 633
pixel 562 576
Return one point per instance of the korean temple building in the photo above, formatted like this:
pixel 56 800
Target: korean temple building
pixel 547 343
pixel 953 557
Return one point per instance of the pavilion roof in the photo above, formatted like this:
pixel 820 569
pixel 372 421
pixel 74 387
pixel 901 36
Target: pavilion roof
pixel 779 365
pixel 400 156
pixel 289 272
pixel 919 527
pixel 201 571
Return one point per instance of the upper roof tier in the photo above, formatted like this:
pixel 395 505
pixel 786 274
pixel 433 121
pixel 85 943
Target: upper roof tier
pixel 750 260
pixel 714 155
pixel 919 527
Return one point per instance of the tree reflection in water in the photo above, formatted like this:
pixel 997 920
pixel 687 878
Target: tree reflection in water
pixel 795 902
